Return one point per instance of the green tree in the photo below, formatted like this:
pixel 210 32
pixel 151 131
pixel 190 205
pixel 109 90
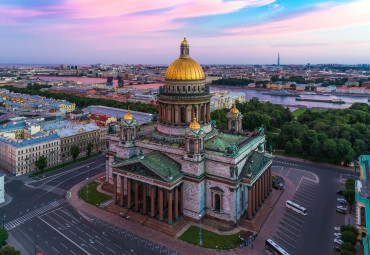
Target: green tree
pixel 297 145
pixel 3 236
pixel 289 147
pixel 349 236
pixel 75 151
pixel 349 228
pixel 348 247
pixel 345 252
pixel 89 148
pixel 9 250
pixel 359 147
pixel 41 163
pixel 349 195
pixel 308 138
pixel 329 148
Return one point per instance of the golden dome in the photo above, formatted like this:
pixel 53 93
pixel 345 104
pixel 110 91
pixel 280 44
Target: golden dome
pixel 194 124
pixel 234 109
pixel 184 42
pixel 128 116
pixel 184 69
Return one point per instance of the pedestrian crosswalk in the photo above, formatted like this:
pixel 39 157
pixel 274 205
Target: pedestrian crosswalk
pixel 28 216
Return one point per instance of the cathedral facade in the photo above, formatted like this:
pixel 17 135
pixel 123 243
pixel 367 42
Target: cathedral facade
pixel 186 167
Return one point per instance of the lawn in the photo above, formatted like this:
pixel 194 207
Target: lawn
pixel 62 165
pixel 211 239
pixel 298 112
pixel 94 196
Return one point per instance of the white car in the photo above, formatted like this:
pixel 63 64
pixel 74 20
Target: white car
pixel 337 228
pixel 338 241
pixel 337 235
pixel 342 201
pixel 342 207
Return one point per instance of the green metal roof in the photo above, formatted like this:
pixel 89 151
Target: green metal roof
pixel 158 163
pixel 221 141
pixel 258 160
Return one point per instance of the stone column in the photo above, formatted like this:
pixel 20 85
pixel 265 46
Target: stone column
pixel 250 203
pixel 204 113
pixel 170 221
pixel 115 189
pixel 257 196
pixel 260 191
pixel 160 204
pixel 182 198
pixel 176 203
pixel 121 202
pixel 266 183
pixel 143 185
pixel 136 196
pixel 208 112
pixel 188 114
pixel 263 187
pixel 177 115
pixel 254 199
pixel 128 193
pixel 270 178
pixel 152 201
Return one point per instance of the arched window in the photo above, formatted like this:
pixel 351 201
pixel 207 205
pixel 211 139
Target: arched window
pixel 202 113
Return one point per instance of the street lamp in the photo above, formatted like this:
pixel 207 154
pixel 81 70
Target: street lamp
pixel 200 230
pixel 35 247
pixel 87 186
pixel 3 218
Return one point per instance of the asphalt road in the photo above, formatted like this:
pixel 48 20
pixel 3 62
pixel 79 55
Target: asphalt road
pixel 39 216
pixel 316 191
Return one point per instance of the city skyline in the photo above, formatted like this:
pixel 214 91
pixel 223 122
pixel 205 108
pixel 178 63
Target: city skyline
pixel 219 32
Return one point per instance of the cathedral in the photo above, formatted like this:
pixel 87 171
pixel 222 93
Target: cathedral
pixel 185 166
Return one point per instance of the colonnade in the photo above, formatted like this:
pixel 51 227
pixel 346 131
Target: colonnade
pixel 149 199
pixel 258 192
pixel 184 114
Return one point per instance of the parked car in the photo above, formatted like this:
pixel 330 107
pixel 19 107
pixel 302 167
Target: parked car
pixel 338 241
pixel 342 201
pixel 337 248
pixel 341 211
pixel 340 192
pixel 337 235
pixel 342 207
pixel 337 228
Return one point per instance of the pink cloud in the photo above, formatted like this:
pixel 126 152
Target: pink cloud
pixel 324 18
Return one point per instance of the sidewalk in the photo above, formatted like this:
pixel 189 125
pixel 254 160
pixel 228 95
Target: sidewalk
pixel 273 220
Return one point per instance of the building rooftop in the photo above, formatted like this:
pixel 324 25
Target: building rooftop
pixel 18 143
pixel 141 117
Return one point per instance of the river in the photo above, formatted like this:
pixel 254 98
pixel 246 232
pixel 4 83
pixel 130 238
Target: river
pixel 284 100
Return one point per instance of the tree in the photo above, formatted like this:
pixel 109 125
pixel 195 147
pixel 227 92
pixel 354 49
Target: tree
pixel 345 252
pixel 349 195
pixel 75 151
pixel 349 236
pixel 3 236
pixel 349 228
pixel 308 138
pixel 289 147
pixel 330 148
pixel 89 148
pixel 9 250
pixel 348 247
pixel 359 147
pixel 350 183
pixel 41 163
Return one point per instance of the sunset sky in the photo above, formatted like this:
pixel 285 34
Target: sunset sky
pixel 150 31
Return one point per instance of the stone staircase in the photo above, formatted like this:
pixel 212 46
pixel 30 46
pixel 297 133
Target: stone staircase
pixel 263 213
pixel 146 220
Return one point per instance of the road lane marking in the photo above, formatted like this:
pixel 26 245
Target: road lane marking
pixel 64 236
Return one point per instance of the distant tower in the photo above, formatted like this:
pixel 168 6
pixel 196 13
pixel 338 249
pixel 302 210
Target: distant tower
pixel 278 59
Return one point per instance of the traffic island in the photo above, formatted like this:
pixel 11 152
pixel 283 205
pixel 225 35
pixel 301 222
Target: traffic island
pixel 212 240
pixel 93 196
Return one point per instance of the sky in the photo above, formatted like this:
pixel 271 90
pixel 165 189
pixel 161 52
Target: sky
pixel 218 31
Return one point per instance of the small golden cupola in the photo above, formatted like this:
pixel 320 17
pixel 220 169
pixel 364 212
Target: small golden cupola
pixel 128 116
pixel 194 124
pixel 234 109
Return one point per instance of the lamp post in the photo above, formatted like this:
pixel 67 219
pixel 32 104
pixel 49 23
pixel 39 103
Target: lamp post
pixel 35 247
pixel 87 185
pixel 3 218
pixel 200 230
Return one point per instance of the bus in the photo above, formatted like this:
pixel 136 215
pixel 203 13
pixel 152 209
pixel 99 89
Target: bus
pixel 296 208
pixel 273 248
